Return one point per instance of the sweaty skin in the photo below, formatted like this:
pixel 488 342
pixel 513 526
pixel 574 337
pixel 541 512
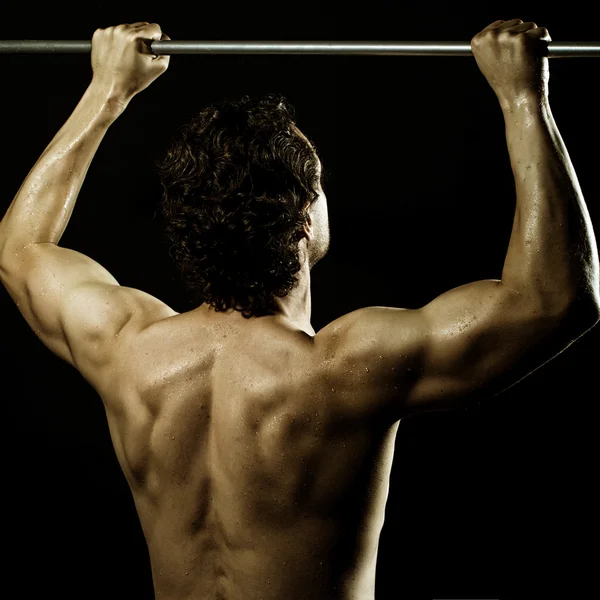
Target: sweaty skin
pixel 251 475
pixel 258 451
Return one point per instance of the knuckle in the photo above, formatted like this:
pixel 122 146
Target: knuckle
pixel 484 38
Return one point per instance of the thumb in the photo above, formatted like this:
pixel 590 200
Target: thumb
pixel 164 37
pixel 158 38
pixel 149 38
pixel 540 33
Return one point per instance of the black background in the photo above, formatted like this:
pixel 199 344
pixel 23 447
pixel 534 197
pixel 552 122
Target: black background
pixel 494 501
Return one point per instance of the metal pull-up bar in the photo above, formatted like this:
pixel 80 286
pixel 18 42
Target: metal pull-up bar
pixel 555 49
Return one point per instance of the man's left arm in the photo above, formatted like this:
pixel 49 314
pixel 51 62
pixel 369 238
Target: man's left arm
pixel 74 305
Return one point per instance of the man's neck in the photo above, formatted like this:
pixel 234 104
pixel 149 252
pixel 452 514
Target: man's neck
pixel 294 309
pixel 296 306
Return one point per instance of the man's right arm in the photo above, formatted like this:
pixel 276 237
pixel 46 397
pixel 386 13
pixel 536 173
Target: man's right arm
pixel 485 336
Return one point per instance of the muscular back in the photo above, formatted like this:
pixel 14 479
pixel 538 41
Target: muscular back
pixel 259 456
pixel 253 471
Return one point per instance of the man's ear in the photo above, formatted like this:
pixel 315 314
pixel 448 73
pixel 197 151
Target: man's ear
pixel 308 227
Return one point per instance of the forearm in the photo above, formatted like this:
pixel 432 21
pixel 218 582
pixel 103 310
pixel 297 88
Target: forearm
pixel 552 252
pixel 43 205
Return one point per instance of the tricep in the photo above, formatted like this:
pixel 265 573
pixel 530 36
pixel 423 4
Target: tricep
pixel 478 338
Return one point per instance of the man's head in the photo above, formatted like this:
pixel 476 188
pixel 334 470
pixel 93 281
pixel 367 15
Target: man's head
pixel 243 204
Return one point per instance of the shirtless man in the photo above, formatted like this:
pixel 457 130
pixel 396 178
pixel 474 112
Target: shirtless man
pixel 258 452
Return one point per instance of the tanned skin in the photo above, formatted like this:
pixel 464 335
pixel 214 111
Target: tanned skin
pixel 259 451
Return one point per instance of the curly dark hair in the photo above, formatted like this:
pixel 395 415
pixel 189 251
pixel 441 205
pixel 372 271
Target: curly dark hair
pixel 237 184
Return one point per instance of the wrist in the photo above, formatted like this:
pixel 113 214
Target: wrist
pixel 111 102
pixel 528 100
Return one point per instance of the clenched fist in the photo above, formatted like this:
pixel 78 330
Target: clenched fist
pixel 512 55
pixel 122 61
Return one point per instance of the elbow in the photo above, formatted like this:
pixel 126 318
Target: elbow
pixel 586 301
pixel 584 310
pixel 594 308
pixel 576 312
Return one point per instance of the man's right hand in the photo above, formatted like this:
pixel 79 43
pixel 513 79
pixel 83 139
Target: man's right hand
pixel 512 55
